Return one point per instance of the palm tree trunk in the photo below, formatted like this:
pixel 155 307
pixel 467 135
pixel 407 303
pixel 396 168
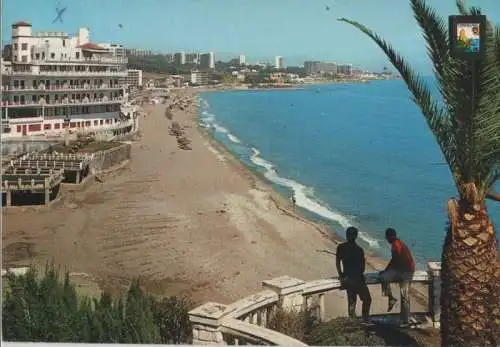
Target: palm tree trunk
pixel 470 297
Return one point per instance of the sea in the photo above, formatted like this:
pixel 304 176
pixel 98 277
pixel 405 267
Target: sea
pixel 353 154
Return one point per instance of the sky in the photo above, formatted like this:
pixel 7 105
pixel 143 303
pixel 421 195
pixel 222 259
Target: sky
pixel 298 30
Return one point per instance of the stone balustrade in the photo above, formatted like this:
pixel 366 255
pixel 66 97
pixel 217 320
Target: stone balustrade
pixel 245 321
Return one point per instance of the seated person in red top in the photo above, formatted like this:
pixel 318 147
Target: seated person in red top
pixel 400 269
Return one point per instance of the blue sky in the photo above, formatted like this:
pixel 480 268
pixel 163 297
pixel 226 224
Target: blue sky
pixel 260 29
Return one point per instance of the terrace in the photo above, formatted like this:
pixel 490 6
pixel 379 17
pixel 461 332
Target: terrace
pixel 35 179
pixel 26 187
pixel 74 166
pixel 246 321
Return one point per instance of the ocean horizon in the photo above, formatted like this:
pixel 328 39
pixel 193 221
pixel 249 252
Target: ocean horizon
pixel 353 154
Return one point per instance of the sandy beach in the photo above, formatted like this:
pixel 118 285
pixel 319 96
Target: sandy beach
pixel 192 222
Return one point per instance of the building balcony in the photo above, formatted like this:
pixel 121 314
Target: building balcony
pixel 67 102
pixel 60 88
pixel 24 120
pixel 68 73
pixel 83 61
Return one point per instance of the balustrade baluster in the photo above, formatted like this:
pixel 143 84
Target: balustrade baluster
pixel 322 307
pixel 263 317
pixel 269 312
pixel 307 302
pixel 253 318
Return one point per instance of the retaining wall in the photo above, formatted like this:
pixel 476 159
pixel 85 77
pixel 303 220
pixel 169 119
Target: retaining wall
pixel 104 160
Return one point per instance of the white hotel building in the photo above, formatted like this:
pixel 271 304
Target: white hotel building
pixel 52 76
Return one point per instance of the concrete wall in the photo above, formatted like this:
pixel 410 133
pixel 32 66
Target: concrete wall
pixel 106 159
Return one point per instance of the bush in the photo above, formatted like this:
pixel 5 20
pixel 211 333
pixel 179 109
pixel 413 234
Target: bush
pixel 49 310
pixel 345 331
pixel 171 316
pixel 297 324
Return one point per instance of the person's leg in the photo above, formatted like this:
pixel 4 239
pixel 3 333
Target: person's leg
pixel 404 286
pixel 351 302
pixel 385 278
pixel 366 299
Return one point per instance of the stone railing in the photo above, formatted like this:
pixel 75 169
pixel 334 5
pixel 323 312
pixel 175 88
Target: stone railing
pixel 245 321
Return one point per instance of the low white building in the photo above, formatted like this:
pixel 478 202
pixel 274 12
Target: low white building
pixel 115 49
pixel 134 78
pixel 199 78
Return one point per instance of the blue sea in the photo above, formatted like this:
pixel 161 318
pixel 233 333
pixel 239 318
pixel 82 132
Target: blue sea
pixel 353 154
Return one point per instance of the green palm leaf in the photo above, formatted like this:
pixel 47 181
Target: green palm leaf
pixel 435 116
pixel 467 127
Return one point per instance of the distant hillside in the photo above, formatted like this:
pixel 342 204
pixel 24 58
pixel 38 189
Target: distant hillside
pixel 153 63
pixel 157 64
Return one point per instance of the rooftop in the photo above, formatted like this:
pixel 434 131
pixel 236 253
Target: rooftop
pixel 90 45
pixel 21 24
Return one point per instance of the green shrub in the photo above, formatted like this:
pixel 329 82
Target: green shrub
pixel 171 316
pixel 296 324
pixel 343 332
pixel 47 309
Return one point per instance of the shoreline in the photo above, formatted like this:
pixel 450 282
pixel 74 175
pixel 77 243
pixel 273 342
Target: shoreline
pixel 321 221
pixel 194 222
pixel 281 202
pixel 374 262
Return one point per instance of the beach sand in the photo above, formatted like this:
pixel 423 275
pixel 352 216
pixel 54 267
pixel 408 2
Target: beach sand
pixel 188 222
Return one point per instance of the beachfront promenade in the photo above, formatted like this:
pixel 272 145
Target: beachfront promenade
pixel 245 321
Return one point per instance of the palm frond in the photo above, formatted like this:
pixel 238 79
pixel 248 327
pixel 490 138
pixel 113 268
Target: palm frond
pixel 487 131
pixel 462 9
pixel 468 128
pixel 436 118
pixel 435 34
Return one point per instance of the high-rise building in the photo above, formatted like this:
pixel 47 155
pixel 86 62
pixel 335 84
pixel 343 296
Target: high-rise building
pixel 180 58
pixel 169 57
pixel 345 69
pixel 242 60
pixel 192 58
pixel 319 67
pixel 207 60
pixel 54 80
pixel 278 62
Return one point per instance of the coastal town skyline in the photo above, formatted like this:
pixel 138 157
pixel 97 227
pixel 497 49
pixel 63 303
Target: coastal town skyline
pixel 180 58
pixel 231 30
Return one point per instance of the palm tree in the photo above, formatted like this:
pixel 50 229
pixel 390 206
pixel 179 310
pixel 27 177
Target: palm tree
pixel 466 125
